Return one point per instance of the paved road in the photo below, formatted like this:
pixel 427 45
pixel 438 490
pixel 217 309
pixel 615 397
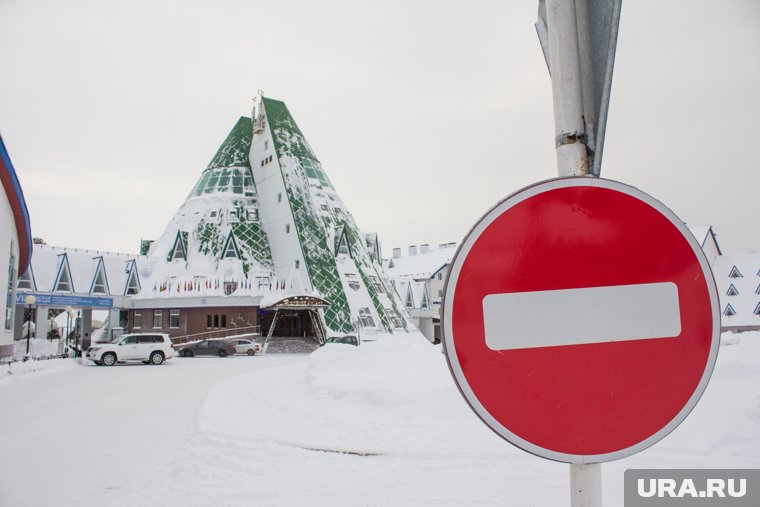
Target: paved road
pixel 122 421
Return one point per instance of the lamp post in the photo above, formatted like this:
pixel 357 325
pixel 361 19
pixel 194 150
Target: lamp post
pixel 79 335
pixel 69 316
pixel 29 300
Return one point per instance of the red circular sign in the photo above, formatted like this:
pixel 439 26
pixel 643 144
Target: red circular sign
pixel 581 320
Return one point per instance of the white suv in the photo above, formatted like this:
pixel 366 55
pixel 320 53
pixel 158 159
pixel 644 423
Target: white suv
pixel 150 348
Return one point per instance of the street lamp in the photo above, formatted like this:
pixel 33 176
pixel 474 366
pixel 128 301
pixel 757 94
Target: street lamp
pixel 69 315
pixel 29 300
pixel 79 335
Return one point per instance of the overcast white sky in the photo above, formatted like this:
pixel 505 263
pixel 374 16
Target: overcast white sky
pixel 424 113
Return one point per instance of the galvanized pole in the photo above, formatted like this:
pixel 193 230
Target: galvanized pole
pixel 572 160
pixel 565 68
pixel 586 485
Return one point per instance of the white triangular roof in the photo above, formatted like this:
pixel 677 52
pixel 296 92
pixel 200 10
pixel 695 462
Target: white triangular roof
pixel 82 266
pixel 420 266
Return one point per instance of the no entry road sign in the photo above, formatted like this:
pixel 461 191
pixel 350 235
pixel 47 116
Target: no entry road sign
pixel 581 320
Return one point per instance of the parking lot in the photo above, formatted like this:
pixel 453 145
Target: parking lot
pixel 98 433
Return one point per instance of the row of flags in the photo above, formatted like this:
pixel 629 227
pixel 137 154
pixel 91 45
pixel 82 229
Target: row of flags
pixel 215 284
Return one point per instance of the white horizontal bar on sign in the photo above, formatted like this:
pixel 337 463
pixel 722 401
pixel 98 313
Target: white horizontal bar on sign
pixel 553 318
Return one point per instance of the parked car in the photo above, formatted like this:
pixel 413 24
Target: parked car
pixel 221 348
pixel 245 346
pixel 348 339
pixel 150 348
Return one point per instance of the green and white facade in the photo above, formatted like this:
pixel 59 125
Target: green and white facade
pixel 264 220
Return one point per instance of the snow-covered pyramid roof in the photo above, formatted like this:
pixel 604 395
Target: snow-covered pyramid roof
pixel 309 225
pixel 264 218
pixel 216 235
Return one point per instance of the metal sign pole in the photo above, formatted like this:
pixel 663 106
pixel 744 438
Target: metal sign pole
pixel 567 92
pixel 586 485
pixel 572 160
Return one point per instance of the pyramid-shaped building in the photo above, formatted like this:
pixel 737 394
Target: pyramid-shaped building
pixel 264 230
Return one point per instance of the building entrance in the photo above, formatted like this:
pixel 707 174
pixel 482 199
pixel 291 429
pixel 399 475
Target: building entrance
pixel 289 323
pixel 293 324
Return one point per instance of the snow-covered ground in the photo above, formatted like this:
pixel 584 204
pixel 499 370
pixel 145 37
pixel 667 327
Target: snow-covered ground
pixel 377 425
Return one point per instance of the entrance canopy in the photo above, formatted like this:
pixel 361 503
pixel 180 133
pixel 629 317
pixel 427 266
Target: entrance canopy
pixel 293 302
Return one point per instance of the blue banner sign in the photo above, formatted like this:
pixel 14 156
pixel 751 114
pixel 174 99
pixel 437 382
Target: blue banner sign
pixel 62 301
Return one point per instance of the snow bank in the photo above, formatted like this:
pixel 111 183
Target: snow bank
pixel 391 396
pixel 38 348
pixel 20 369
pixel 41 358
pixel 392 372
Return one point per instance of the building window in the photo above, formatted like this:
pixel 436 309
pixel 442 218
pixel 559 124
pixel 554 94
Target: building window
pixel 440 276
pixel 100 286
pixel 366 318
pixel 224 321
pixel 298 264
pixel 279 197
pixel 137 320
pixel 253 215
pixel 132 285
pixel 735 273
pixel 232 214
pixel 377 285
pixel 64 278
pixel 343 245
pixel 425 304
pixel 216 321
pixel 25 280
pixel 287 228
pixel 10 304
pixel 230 251
pixel 409 299
pixel 158 319
pixel 173 319
pixel 732 291
pixel 213 214
pixel 266 144
pixel 729 311
pixel 208 321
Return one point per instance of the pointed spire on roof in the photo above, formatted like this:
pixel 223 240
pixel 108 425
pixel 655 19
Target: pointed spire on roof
pixel 234 150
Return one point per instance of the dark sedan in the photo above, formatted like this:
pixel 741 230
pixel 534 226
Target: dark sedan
pixel 219 348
